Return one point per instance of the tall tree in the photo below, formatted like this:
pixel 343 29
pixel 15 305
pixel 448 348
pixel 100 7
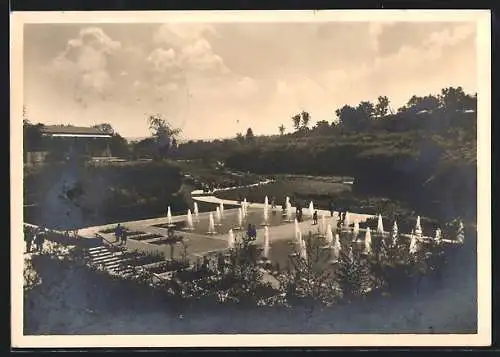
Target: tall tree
pixel 296 121
pixel 281 129
pixel 366 109
pixel 348 117
pixel 382 106
pixel 163 133
pixel 453 98
pixel 306 117
pixel 249 135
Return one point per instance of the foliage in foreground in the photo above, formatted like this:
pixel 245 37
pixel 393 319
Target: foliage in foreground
pixel 320 276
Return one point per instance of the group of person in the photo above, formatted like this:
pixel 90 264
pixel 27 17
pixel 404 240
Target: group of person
pixel 120 234
pixel 252 232
pixel 35 237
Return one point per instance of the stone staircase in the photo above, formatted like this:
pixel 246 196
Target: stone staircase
pixel 111 261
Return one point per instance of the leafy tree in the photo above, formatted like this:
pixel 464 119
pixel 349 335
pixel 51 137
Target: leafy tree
pixel 281 129
pixel 310 277
pixel 366 110
pixel 249 135
pixel 104 128
pixel 296 121
pixel 163 134
pixel 350 118
pixel 382 106
pixel 119 146
pixel 453 99
pixel 353 274
pixel 416 104
pixel 322 126
pixel 306 117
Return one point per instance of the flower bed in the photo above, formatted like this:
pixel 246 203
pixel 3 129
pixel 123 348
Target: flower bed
pixel 146 258
pixel 167 266
pixel 131 234
pixel 146 236
pixel 168 240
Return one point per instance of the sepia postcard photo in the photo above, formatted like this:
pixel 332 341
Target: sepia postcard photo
pixel 253 178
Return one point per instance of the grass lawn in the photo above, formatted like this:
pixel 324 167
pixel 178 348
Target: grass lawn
pixel 319 190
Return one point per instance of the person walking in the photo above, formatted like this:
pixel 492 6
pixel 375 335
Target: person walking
pixel 254 232
pixel 315 218
pixel 249 231
pixel 28 239
pixel 39 240
pixel 124 237
pixel 118 233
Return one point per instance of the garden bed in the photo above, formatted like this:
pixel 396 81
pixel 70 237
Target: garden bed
pixel 169 240
pixel 167 266
pixel 144 258
pixel 146 236
pixel 110 230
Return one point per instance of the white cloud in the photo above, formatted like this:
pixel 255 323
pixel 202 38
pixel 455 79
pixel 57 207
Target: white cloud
pixel 162 59
pixel 189 41
pixel 84 60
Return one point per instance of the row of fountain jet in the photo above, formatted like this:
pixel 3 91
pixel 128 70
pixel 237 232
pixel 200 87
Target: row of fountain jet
pixel 325 228
pixel 415 237
pixel 212 222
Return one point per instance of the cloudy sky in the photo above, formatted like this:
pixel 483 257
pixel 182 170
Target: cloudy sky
pixel 214 80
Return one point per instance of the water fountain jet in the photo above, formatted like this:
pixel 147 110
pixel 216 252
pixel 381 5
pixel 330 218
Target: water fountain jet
pixel 244 206
pixel 266 242
pixel 240 218
pixel 311 209
pixel 218 217
pixel 230 239
pixel 413 243
pixel 418 228
pixel 297 230
pixel 266 213
pixel 303 248
pixel 289 212
pixel 190 225
pixel 169 217
pixel 336 247
pixel 368 241
pixel 394 234
pixel 329 235
pixel 346 220
pixel 196 212
pixel 380 225
pixel 211 224
pixel 355 231
pixel 221 208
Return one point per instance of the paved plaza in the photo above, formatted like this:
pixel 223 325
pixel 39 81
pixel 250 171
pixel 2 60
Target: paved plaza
pixel 147 235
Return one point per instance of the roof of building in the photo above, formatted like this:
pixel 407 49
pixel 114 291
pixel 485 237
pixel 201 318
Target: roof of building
pixel 65 130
